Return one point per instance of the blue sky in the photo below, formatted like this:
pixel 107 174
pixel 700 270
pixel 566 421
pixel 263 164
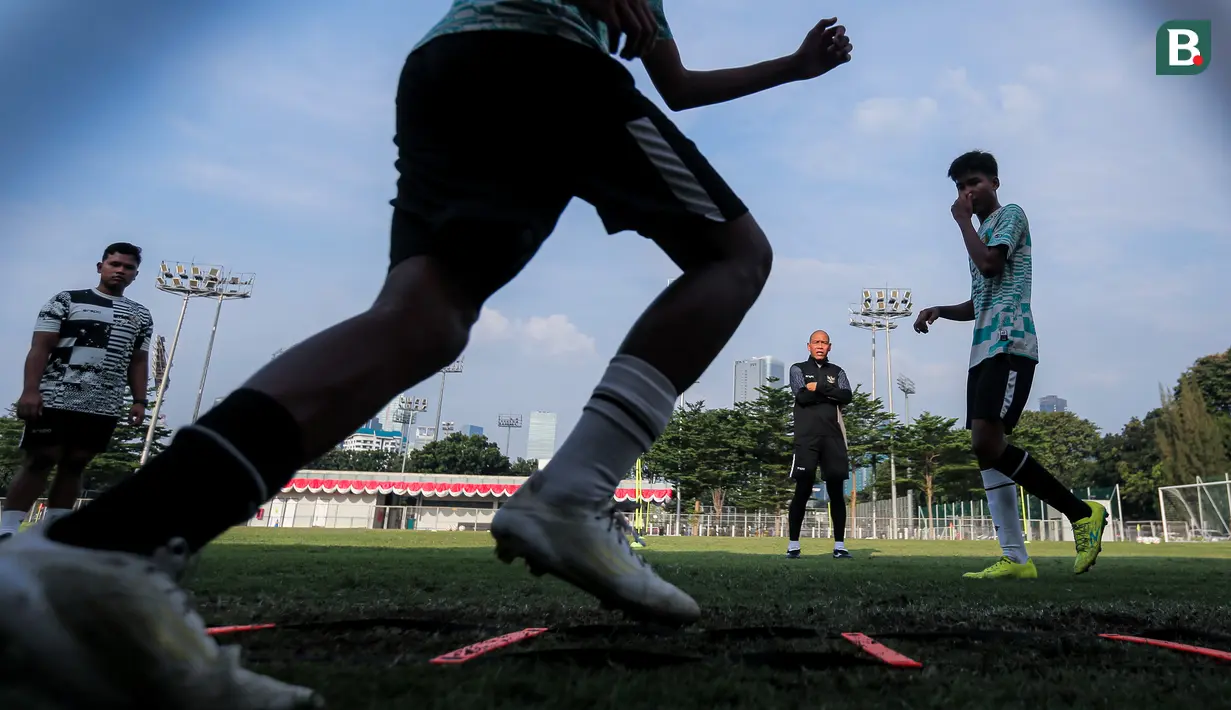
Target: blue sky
pixel 246 135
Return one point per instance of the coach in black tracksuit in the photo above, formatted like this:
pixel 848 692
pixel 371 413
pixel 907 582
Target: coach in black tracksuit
pixel 821 389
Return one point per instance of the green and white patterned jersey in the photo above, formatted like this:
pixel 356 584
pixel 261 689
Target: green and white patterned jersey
pixel 1003 321
pixel 549 17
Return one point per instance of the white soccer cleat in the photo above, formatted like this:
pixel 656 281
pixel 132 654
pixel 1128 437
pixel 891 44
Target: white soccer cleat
pixel 88 629
pixel 586 547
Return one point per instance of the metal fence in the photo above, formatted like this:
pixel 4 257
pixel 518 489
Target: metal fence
pixel 868 523
pixel 867 520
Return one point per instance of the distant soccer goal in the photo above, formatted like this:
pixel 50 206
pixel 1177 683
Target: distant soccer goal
pixel 1196 512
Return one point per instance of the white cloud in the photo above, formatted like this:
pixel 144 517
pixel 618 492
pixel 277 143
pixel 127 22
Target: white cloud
pixel 554 335
pixel 894 115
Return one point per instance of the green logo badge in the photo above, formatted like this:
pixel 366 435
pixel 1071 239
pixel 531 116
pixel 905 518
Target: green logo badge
pixel 1182 47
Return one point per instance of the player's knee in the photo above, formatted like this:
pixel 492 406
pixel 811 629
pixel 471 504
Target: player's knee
pixel 988 442
pixel 39 462
pixel 422 303
pixel 747 256
pixel 73 463
pixel 755 253
pixel 441 332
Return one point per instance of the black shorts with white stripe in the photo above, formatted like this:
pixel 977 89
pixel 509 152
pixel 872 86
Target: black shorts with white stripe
pixel 498 130
pixel 998 389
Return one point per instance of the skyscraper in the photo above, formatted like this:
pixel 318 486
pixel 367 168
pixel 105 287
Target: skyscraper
pixel 541 443
pixel 470 429
pixel 755 372
pixel 1052 403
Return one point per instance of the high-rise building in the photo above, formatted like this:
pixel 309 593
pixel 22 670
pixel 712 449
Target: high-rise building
pixel 367 439
pixel 387 418
pixel 470 430
pixel 541 442
pixel 1052 403
pixel 755 372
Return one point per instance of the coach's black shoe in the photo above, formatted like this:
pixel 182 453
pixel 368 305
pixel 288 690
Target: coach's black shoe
pixel 5 536
pixel 792 554
pixel 842 554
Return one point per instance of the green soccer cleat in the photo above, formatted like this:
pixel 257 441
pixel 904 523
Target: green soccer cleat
pixel 1005 568
pixel 1088 535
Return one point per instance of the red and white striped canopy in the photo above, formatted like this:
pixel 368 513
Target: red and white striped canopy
pixel 656 492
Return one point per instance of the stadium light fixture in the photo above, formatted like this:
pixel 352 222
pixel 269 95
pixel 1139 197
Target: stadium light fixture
pixel 224 287
pixel 879 309
pixel 508 422
pixel 452 369
pixel 407 411
pixel 187 280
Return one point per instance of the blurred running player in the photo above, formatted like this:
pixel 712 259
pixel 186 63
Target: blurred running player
pixel 506 111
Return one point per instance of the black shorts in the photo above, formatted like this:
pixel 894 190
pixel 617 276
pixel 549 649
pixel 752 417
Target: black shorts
pixel 497 131
pixel 74 431
pixel 827 453
pixel 998 389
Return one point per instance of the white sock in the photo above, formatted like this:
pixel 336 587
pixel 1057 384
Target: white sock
pixel 839 545
pixel 54 514
pixel 1002 502
pixel 792 546
pixel 607 440
pixel 11 520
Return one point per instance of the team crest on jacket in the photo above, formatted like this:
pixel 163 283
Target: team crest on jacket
pixel 831 379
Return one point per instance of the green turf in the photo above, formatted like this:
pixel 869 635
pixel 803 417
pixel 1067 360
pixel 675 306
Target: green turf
pixel 890 590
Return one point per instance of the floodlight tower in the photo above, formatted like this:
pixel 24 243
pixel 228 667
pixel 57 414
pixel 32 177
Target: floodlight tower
pixel 186 280
pixel 228 287
pixel 907 386
pixel 508 422
pixel 454 368
pixel 405 413
pixel 878 310
pixel 160 365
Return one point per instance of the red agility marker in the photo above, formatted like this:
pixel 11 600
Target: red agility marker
pixel 1183 647
pixel 474 650
pixel 219 630
pixel 881 652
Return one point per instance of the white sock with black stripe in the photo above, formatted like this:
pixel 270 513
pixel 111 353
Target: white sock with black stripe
pixel 629 409
pixel 1002 501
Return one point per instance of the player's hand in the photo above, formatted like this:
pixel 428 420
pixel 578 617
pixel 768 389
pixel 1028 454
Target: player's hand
pixel 963 207
pixel 826 46
pixel 30 405
pixel 136 415
pixel 811 386
pixel 631 18
pixel 925 318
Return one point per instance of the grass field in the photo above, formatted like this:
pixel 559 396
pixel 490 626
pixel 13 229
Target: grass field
pixel 769 636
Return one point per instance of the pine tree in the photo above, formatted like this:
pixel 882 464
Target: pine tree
pixel 1190 439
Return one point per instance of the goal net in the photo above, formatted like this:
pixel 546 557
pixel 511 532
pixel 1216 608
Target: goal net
pixel 1196 512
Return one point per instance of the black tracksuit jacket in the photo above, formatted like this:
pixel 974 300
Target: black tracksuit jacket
pixel 816 413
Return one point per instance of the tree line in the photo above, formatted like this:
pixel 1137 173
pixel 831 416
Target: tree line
pixel 740 456
pixel 459 454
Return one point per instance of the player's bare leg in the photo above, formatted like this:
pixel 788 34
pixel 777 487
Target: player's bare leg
pixel 562 521
pixel 26 487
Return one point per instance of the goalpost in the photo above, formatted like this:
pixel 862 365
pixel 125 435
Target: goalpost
pixel 1198 511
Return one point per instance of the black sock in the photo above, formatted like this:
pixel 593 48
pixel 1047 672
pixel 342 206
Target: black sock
pixel 799 506
pixel 1030 474
pixel 837 509
pixel 197 488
